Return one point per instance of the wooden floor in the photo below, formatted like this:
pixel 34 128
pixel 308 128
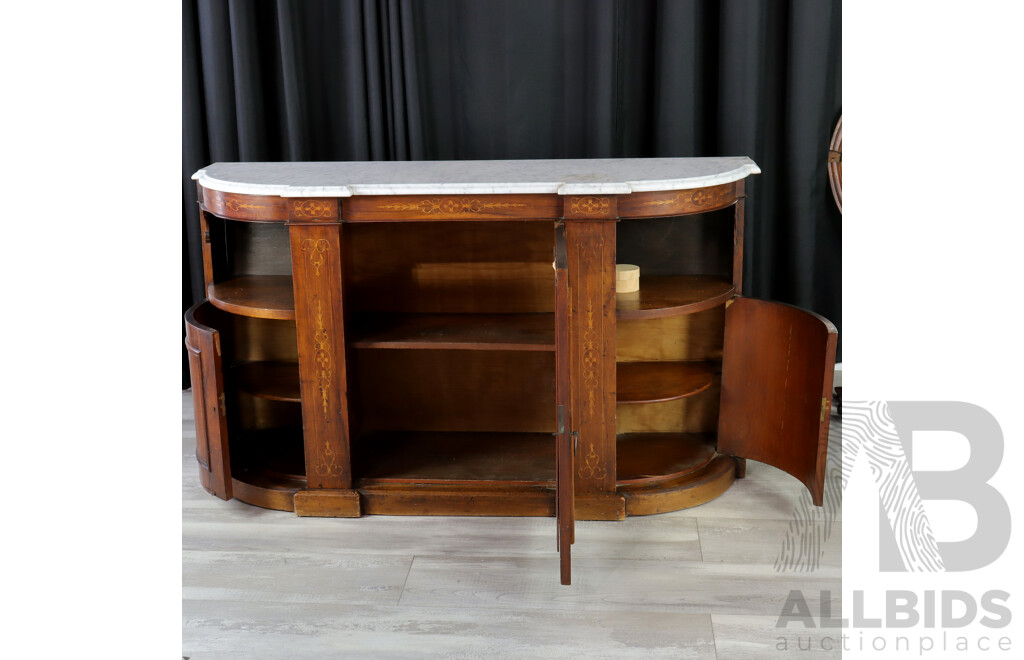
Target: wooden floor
pixel 699 583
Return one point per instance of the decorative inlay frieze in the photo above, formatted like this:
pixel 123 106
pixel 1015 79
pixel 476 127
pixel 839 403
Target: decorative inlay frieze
pixel 700 197
pixel 662 202
pixel 234 205
pixel 589 205
pixel 322 356
pixel 312 208
pixel 317 250
pixel 450 206
pixel 591 468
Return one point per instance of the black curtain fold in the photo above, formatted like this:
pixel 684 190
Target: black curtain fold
pixel 464 79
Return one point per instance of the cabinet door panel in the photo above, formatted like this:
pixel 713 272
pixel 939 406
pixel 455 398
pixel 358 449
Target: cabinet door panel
pixel 564 437
pixel 777 370
pixel 203 343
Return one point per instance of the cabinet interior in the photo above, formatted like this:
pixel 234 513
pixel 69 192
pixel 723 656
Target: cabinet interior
pixel 450 336
pixel 668 355
pixel 450 349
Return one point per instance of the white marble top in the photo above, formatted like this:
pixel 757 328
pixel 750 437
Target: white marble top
pixel 607 176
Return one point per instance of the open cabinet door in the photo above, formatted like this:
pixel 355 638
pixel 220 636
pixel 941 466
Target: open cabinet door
pixel 777 369
pixel 564 437
pixel 204 361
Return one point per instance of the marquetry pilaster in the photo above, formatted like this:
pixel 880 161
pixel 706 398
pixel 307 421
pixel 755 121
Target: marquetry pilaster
pixel 316 276
pixel 591 261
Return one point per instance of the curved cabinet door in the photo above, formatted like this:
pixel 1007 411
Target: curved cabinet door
pixel 777 368
pixel 204 359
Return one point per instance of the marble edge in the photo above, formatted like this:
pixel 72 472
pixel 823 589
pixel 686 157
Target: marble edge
pixel 741 172
pixel 207 181
pixel 561 188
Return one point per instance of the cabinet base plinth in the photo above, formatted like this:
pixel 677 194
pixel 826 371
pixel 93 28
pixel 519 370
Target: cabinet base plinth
pixel 327 503
pixel 692 489
pixel 266 493
pixel 600 506
pixel 688 491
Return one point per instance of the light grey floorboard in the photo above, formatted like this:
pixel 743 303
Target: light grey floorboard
pixel 744 541
pixel 611 584
pixel 739 637
pixel 257 530
pixel 268 584
pixel 296 576
pixel 233 629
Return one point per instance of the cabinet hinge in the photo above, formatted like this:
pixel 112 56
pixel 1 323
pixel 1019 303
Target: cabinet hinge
pixel 220 400
pixel 206 236
pixel 824 408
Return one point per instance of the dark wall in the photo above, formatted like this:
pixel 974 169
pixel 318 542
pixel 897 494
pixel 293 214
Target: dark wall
pixel 464 79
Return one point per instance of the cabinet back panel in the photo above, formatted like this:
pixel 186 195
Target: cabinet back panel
pixel 451 390
pixel 693 414
pixel 248 339
pixel 450 267
pixel 687 245
pixel 687 337
pixel 253 413
pixel 248 248
pixel 260 248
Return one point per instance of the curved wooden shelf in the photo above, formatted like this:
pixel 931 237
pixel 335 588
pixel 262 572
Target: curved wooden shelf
pixel 259 296
pixel 268 467
pixel 672 295
pixel 651 382
pixel 277 381
pixel 479 332
pixel 647 458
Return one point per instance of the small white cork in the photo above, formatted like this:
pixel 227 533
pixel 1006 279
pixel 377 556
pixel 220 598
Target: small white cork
pixel 627 278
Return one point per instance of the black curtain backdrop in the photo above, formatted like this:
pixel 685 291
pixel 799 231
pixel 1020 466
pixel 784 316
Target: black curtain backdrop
pixel 318 80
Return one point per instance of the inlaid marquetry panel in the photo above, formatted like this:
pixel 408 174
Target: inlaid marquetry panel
pixel 313 209
pixel 677 202
pixel 591 259
pixel 590 207
pixel 385 208
pixel 257 208
pixel 319 327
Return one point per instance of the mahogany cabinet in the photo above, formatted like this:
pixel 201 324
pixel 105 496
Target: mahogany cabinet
pixel 445 338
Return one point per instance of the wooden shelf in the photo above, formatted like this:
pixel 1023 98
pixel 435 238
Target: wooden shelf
pixel 651 457
pixel 260 296
pixel 480 332
pixel 651 382
pixel 673 295
pixel 277 381
pixel 454 458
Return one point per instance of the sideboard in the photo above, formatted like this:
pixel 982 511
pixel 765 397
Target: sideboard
pixel 445 338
